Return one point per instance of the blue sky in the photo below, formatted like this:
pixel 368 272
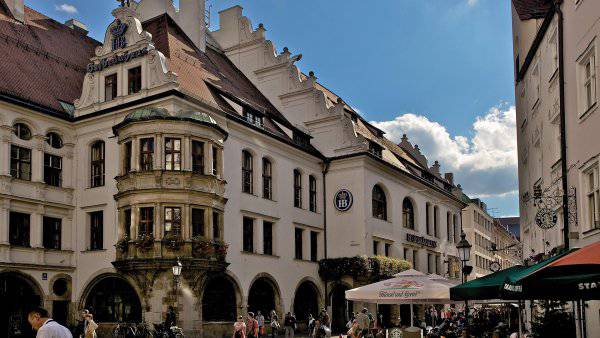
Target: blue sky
pixel 438 70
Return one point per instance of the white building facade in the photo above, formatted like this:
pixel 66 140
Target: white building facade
pixel 166 142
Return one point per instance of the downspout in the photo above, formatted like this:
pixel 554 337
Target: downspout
pixel 563 136
pixel 325 169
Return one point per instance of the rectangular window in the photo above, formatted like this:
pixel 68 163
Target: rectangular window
pixel 435 221
pixel 216 225
pixel 146 223
pixel 248 234
pixel 146 154
pixel 253 118
pixel 127 222
pixel 97 165
pixel 198 157
pixel 110 87
pixel 134 80
pixel 588 72
pixel 375 248
pixel 405 253
pixel 448 227
pixel 267 177
pixel 96 230
pixel 314 246
pixel 297 189
pixel 593 198
pixel 52 170
pixel 127 157
pixel 312 192
pixel 427 218
pixel 198 223
pixel 414 259
pixel 173 221
pixel 172 153
pixel 430 263
pixel 20 163
pixel 215 161
pixel 52 232
pixel 247 172
pixel 18 229
pixel 388 249
pixel 267 238
pixel 298 234
pixel 438 267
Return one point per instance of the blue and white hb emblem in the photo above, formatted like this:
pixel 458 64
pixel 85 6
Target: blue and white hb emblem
pixel 343 200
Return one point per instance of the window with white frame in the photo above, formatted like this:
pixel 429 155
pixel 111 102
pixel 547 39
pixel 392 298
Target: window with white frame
pixel 592 189
pixel 587 83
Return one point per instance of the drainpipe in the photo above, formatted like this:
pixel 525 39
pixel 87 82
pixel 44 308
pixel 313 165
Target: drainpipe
pixel 563 136
pixel 325 169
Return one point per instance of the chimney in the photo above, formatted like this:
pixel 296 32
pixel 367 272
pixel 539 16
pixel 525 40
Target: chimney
pixel 192 20
pixel 76 26
pixel 16 9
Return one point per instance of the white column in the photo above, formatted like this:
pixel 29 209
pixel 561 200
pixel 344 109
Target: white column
pixel 68 179
pixel 35 228
pixel 186 222
pixel 5 151
pixel 135 154
pixel 66 233
pixel 306 244
pixel 186 153
pixel 37 160
pixel 159 163
pixel 208 162
pixel 4 220
pixel 258 236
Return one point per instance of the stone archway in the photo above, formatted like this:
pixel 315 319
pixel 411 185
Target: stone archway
pixel 219 300
pixel 112 299
pixel 18 295
pixel 306 301
pixel 264 296
pixel 340 308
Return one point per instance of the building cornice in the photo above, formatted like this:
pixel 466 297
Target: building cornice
pixel 536 44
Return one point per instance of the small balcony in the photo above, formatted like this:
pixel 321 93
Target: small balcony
pixel 169 179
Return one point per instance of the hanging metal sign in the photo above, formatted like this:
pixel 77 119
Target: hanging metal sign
pixel 343 200
pixel 546 218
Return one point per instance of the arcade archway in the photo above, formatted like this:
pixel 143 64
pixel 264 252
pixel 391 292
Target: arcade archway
pixel 219 300
pixel 18 295
pixel 306 301
pixel 263 296
pixel 340 308
pixel 112 299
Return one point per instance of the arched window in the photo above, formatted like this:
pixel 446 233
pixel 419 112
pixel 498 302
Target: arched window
pixel 22 131
pixel 379 203
pixel 267 176
pixel 408 214
pixel 219 301
pixel 113 300
pixel 54 140
pixel 247 172
pixel 97 164
pixel 312 193
pixel 297 188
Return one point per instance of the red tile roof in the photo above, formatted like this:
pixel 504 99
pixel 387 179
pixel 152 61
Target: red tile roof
pixel 42 61
pixel 532 9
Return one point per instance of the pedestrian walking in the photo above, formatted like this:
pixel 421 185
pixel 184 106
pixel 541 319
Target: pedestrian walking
pixel 45 326
pixel 362 319
pixel 274 323
pixel 90 326
pixel 260 319
pixel 239 328
pixel 290 325
pixel 251 326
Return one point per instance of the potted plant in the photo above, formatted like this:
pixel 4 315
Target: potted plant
pixel 145 242
pixel 173 241
pixel 122 244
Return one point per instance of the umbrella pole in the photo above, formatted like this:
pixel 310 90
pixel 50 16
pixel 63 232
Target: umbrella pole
pixel 520 321
pixel 411 316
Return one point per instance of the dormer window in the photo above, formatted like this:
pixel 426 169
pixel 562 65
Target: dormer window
pixel 301 139
pixel 110 87
pixel 253 118
pixel 134 80
pixel 375 149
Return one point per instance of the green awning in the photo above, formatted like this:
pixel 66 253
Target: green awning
pixel 486 287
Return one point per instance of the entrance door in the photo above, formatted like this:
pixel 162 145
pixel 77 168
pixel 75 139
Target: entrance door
pixel 60 311
pixel 340 309
pixel 17 298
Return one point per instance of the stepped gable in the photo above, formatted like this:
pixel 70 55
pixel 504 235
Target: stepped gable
pixel 43 61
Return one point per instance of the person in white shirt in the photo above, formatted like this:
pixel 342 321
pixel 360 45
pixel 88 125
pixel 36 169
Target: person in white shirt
pixel 45 326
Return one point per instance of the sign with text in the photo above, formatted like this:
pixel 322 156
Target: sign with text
pixel 421 240
pixel 115 60
pixel 343 200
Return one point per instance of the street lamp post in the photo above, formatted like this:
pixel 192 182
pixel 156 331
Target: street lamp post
pixel 177 267
pixel 464 254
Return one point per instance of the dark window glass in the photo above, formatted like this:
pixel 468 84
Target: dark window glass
pixel 267 238
pixel 427 218
pixel 96 230
pixel 267 176
pixel 435 221
pixel 429 263
pixel 448 227
pixel 247 172
pixel 198 223
pixel 22 131
pixel 415 255
pixel 172 153
pixel 52 233
pixel 134 80
pixel 375 248
pixel 314 245
pixel 198 157
pixel 110 87
pixel 52 170
pixel 375 149
pixel 388 249
pixel 298 233
pixel 20 163
pixel 173 221
pixel 146 223
pixel 216 224
pixel 379 202
pixel 312 193
pixel 97 165
pixel 408 214
pixel 127 157
pixel 19 229
pixel 113 300
pixel 297 189
pixel 146 154
pixel 215 161
pixel 301 139
pixel 219 301
pixel 248 234
pixel 127 222
pixel 54 140
pixel 253 118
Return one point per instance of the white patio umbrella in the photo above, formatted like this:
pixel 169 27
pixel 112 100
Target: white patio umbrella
pixel 407 287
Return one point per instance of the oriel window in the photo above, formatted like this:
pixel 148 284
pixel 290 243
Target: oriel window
pixel 52 170
pixel 198 223
pixel 97 164
pixel 52 233
pixel 134 80
pixel 297 188
pixel 216 221
pixel 215 161
pixel 18 230
pixel 198 157
pixel 172 153
pixel 127 222
pixel 96 230
pixel 247 172
pixel 173 221
pixel 267 176
pixel 20 163
pixel 146 222
pixel 127 157
pixel 146 154
pixel 110 87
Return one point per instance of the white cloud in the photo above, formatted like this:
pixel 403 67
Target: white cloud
pixel 472 2
pixel 66 8
pixel 484 163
